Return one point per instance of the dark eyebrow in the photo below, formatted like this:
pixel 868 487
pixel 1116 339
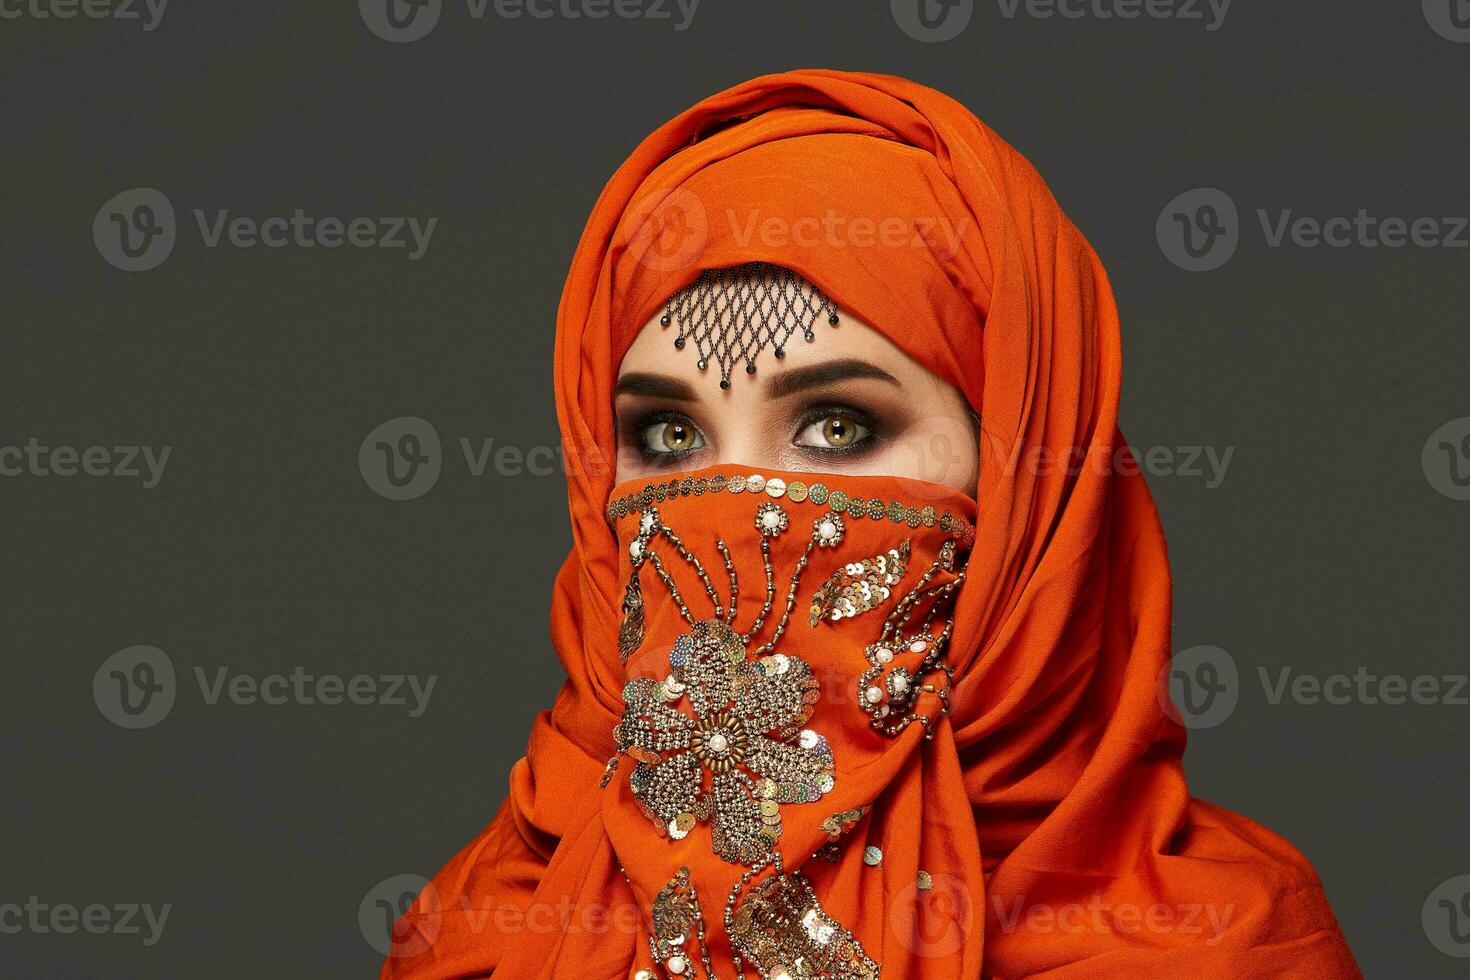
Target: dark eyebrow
pixel 799 379
pixel 655 385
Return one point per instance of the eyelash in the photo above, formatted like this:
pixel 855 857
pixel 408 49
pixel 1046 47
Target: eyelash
pixel 811 415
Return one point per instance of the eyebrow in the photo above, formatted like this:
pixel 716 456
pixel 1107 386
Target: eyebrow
pixel 656 386
pixel 847 369
pixel 785 384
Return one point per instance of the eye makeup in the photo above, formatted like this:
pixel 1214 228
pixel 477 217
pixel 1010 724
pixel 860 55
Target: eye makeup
pixel 867 434
pixel 647 431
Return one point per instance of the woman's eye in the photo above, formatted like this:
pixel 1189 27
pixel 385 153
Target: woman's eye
pixel 672 437
pixel 834 431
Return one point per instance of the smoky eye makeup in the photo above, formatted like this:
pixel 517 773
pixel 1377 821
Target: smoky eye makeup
pixel 832 430
pixel 661 436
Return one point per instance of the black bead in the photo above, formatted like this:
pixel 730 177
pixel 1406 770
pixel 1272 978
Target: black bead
pixel 703 364
pixel 832 319
pixel 810 336
pixel 725 383
pixel 780 351
pixel 664 320
pixel 750 369
pixel 679 342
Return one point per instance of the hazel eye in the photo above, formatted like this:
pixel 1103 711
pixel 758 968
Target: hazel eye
pixel 833 431
pixel 672 437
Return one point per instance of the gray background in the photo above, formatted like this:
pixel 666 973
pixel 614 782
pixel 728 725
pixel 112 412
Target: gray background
pixel 1325 548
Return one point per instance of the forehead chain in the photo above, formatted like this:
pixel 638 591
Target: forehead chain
pixel 734 313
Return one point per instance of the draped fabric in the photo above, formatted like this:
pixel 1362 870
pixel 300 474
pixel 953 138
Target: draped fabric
pixel 1049 808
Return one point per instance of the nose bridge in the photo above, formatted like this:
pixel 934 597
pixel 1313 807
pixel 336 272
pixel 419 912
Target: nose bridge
pixel 742 434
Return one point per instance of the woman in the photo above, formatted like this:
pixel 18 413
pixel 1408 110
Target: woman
pixel 867 611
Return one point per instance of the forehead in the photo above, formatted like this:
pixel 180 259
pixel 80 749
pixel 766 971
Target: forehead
pixel 653 351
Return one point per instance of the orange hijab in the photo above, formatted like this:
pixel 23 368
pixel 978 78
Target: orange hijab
pixel 1049 812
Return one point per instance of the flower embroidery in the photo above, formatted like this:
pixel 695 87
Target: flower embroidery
pixel 744 729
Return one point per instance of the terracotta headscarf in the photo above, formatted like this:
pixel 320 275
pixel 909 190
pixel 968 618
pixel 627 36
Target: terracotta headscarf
pixel 1049 811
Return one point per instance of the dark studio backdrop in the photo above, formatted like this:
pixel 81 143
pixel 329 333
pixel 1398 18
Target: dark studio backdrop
pixel 174 788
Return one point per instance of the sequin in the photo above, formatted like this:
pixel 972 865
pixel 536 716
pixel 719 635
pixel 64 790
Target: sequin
pixel 872 856
pixel 859 586
pixel 630 630
pixel 745 720
pixel 781 928
pixel 676 917
pixel 797 492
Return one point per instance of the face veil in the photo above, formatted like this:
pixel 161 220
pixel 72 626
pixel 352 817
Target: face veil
pixel 1038 815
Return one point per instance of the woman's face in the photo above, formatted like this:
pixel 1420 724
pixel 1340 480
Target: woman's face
pixel 849 401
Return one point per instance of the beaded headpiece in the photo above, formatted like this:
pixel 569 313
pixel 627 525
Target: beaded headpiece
pixel 732 314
